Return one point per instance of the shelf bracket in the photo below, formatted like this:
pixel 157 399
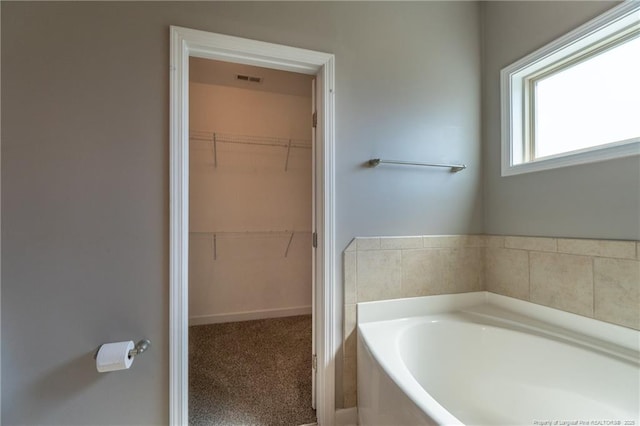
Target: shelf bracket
pixel 286 252
pixel 286 163
pixel 215 150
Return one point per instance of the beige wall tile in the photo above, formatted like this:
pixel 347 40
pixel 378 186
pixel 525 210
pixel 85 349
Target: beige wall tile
pixel 562 281
pixel 349 382
pixel 638 250
pixel 352 245
pixel 378 275
pixel 507 272
pixel 473 241
pixel 464 269
pixel 400 242
pixel 368 243
pixel 494 241
pixel 453 241
pixel 531 243
pixel 603 248
pixel 441 270
pixel 423 272
pixel 431 241
pixel 617 291
pixel 349 330
pixel 349 264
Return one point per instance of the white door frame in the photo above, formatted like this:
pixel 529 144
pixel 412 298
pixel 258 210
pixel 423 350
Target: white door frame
pixel 185 43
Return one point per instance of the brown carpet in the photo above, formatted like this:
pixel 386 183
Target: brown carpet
pixel 251 373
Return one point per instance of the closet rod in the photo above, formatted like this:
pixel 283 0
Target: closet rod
pixel 454 167
pixel 249 140
pixel 285 232
pixel 283 145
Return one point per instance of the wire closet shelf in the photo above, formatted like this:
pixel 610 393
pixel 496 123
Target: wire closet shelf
pixel 213 237
pixel 214 138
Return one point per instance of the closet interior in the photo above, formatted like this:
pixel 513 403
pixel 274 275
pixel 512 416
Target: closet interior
pixel 250 244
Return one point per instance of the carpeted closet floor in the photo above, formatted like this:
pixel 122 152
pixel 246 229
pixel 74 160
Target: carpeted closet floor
pixel 251 373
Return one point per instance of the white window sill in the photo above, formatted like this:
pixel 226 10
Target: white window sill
pixel 590 155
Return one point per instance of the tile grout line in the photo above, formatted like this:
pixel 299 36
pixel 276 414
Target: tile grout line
pixel 593 286
pixel 401 274
pixel 355 275
pixel 355 286
pixel 529 274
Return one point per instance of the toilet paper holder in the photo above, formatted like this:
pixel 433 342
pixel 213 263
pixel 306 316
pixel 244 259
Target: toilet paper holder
pixel 140 347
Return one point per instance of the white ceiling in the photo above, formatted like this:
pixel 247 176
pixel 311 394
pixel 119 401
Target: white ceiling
pixel 221 73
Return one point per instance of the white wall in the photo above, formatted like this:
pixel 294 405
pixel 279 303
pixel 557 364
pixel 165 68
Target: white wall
pixel 249 277
pixel 599 200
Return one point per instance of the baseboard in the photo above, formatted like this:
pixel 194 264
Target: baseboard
pixel 347 416
pixel 250 315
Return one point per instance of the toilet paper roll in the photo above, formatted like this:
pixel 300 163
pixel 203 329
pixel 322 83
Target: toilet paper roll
pixel 114 356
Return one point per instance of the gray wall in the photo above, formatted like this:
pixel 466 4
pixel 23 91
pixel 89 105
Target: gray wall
pixel 85 171
pixel 600 200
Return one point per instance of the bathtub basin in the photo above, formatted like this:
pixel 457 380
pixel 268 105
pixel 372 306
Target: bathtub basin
pixel 485 359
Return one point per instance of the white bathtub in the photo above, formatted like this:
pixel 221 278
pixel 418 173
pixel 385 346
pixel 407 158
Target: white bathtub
pixel 485 359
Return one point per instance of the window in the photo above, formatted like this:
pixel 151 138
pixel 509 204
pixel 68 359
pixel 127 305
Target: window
pixel 576 100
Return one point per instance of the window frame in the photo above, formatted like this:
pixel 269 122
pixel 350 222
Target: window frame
pixel 518 83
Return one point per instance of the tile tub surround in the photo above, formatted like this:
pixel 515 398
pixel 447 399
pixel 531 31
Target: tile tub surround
pixel 595 278
pixel 398 267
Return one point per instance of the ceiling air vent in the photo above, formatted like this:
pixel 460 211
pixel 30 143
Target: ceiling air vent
pixel 249 78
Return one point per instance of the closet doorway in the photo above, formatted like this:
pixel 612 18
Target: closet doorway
pixel 251 142
pixel 184 44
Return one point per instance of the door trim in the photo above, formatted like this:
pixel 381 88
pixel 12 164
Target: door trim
pixel 188 42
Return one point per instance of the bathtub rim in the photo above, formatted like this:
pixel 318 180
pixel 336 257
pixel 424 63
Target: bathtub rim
pixel 518 310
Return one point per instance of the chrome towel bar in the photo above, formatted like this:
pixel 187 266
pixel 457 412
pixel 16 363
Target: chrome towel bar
pixel 454 167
